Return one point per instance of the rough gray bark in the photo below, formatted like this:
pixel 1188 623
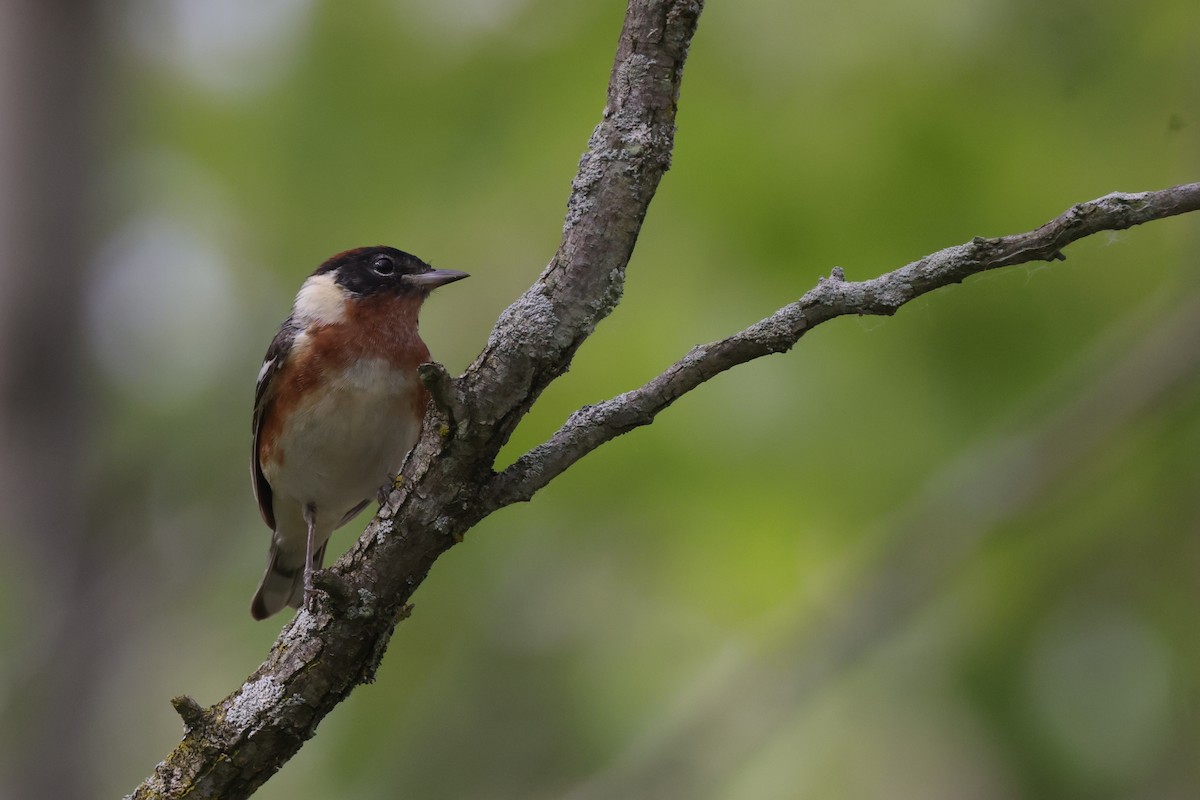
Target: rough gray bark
pixel 230 749
pixel 448 483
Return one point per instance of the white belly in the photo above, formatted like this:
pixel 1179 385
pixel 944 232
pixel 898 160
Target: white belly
pixel 339 447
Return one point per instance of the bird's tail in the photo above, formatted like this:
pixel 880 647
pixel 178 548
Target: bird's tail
pixel 282 584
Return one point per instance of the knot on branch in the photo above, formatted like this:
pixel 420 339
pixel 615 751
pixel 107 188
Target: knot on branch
pixel 336 590
pixel 192 713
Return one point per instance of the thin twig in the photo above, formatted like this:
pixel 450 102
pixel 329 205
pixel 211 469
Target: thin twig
pixel 832 297
pixel 913 553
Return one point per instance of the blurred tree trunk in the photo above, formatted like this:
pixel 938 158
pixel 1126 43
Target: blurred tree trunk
pixel 48 67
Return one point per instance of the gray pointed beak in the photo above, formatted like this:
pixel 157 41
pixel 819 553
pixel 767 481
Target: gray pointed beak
pixel 435 278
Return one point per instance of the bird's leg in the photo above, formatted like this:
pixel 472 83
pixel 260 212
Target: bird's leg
pixel 310 518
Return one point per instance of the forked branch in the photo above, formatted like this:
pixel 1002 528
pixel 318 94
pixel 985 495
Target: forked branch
pixel 447 485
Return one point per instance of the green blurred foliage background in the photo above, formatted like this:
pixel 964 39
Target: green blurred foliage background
pixel 952 553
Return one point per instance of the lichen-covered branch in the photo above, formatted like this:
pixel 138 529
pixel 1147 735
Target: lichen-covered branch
pixel 833 297
pixel 232 747
pixel 628 152
pixel 448 484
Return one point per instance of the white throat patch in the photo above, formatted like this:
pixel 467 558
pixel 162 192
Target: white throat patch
pixel 320 301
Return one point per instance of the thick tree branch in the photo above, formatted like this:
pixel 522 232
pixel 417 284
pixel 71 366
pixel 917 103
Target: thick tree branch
pixel 628 152
pixel 833 297
pixel 447 484
pixel 231 748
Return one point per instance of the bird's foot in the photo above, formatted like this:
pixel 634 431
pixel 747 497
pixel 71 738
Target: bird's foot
pixel 394 481
pixel 310 590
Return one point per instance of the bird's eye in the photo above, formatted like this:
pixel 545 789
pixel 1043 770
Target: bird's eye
pixel 383 265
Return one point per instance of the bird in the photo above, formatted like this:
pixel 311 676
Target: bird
pixel 337 406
